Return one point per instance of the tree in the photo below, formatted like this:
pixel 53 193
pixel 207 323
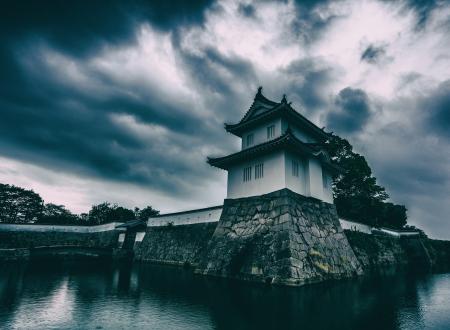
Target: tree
pixel 145 213
pixel 105 213
pixel 57 215
pixel 99 214
pixel 394 216
pixel 121 214
pixel 18 205
pixel 356 193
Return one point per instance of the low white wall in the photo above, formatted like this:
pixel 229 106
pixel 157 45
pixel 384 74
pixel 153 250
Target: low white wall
pixel 140 236
pixel 213 215
pixel 66 229
pixel 120 240
pixel 398 233
pixel 187 217
pixel 355 226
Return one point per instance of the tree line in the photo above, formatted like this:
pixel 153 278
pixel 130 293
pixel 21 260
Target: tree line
pixel 18 205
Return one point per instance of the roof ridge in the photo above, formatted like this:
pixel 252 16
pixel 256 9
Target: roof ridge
pixel 258 97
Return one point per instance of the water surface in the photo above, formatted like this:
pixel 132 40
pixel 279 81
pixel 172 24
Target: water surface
pixel 96 295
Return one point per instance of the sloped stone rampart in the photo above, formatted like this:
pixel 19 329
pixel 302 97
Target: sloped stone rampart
pixel 177 245
pixel 375 252
pixel 282 238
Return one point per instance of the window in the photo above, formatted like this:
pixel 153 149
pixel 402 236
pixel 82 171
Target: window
pixel 270 131
pixel 294 168
pixel 259 171
pixel 247 174
pixel 249 141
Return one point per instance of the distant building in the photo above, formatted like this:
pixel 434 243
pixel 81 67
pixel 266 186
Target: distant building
pixel 280 149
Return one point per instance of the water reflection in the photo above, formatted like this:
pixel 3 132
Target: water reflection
pixel 92 294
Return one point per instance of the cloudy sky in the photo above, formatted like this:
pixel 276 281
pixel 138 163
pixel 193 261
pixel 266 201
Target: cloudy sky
pixel 102 100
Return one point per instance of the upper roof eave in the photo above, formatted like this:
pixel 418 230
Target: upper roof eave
pixel 282 110
pixel 287 141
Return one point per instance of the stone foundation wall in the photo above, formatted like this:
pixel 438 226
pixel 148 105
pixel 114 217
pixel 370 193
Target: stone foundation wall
pixel 179 245
pixel 282 238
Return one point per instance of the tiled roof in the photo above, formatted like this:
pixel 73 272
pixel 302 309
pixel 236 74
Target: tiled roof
pixel 285 141
pixel 263 109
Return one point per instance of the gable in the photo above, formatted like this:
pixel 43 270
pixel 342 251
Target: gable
pixel 260 105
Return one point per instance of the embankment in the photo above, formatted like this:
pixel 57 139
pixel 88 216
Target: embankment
pixel 180 245
pixel 376 252
pixel 21 241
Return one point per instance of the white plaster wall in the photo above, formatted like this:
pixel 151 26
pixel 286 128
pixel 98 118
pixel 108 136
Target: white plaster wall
pixel 278 175
pixel 260 133
pixel 274 177
pixel 298 133
pixel 205 216
pixel 396 233
pixel 297 184
pixel 355 226
pixel 66 229
pixel 315 178
pixel 120 240
pixel 140 236
pixel 186 218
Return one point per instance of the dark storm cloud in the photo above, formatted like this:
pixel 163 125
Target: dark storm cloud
pixel 423 9
pixel 79 26
pixel 310 22
pixel 247 10
pixel 372 54
pixel 436 108
pixel 220 77
pixel 308 79
pixel 47 120
pixel 351 111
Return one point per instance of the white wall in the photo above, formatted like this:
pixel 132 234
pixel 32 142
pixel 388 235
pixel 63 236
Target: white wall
pixel 260 133
pixel 298 133
pixel 315 178
pixel 186 218
pixel 273 179
pixel 278 175
pixel 355 226
pixel 298 184
pixel 278 169
pixel 66 229
pixel 140 236
pixel 281 125
pixel 208 215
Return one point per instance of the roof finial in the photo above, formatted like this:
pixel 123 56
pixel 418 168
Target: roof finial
pixel 283 100
pixel 260 90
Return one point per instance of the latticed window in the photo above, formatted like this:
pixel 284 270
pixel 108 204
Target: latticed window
pixel 294 167
pixel 249 140
pixel 247 173
pixel 259 171
pixel 270 131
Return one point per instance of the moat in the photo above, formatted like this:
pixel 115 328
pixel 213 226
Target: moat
pixel 100 295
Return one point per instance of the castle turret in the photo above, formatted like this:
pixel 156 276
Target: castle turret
pixel 278 224
pixel 280 149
